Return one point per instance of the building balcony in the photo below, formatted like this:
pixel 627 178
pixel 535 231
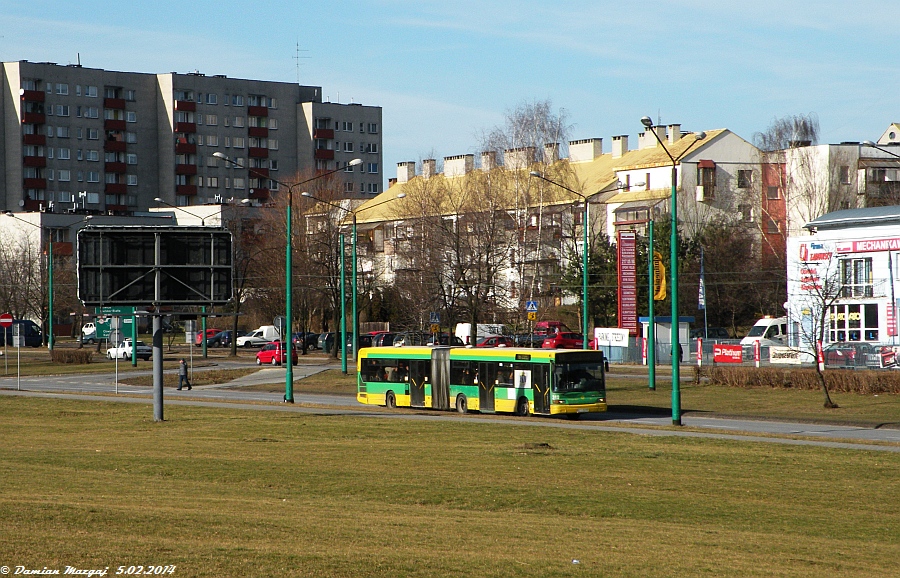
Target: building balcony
pixel 259 194
pixel 35 183
pixel 325 154
pixel 33 118
pixel 34 161
pixel 33 95
pixel 258 131
pixel 185 105
pixel 34 139
pixel 326 133
pixel 255 172
pixel 117 209
pixel 257 111
pixel 116 188
pixel 185 148
pixel 32 205
pixel 114 146
pixel 112 124
pixel 186 127
pixel 185 169
pixel 187 190
pixel 115 103
pixel 258 153
pixel 118 168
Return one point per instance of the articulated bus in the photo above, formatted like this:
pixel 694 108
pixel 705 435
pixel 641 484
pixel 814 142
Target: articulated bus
pixel 516 380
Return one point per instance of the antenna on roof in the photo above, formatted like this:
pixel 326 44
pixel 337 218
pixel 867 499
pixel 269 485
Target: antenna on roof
pixel 297 57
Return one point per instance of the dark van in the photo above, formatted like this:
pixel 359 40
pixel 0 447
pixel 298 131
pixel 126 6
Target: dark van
pixel 29 331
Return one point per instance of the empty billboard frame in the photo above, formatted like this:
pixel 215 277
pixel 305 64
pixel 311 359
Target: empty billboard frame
pixel 158 265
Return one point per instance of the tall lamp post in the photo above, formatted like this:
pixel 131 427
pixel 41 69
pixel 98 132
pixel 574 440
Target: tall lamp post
pixel 584 256
pixel 289 268
pixel 673 265
pixel 50 338
pixel 353 273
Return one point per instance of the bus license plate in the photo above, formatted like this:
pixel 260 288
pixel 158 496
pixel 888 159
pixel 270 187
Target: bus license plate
pixel 583 410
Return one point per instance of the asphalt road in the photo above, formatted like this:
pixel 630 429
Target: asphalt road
pixel 103 386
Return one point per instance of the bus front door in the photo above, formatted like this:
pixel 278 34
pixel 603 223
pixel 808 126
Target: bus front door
pixel 540 384
pixel 417 374
pixel 487 378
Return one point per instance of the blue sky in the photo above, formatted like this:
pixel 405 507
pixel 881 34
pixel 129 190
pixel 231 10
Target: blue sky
pixel 444 72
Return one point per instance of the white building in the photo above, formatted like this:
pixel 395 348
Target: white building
pixel 852 256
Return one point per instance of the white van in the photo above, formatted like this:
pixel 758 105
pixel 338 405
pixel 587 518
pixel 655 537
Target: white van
pixel 769 331
pixel 259 337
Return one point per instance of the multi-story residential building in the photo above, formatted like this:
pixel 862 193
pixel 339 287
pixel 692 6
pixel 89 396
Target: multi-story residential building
pixel 110 142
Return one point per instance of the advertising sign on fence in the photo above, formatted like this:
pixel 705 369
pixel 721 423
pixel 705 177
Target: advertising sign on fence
pixel 784 355
pixel 609 337
pixel 723 353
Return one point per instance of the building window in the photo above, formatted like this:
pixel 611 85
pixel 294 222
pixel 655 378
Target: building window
pixel 93 177
pixel 856 322
pixel 212 181
pixel 64 154
pixel 273 164
pixel 746 212
pixel 348 187
pixel 185 95
pixel 348 147
pixel 772 226
pixel 323 123
pixel 62 89
pixel 64 175
pixel 50 152
pixel 273 123
pixel 62 132
pixel 130 116
pixel 238 122
pixel 212 161
pixel 844 173
pixel 373 188
pixel 373 128
pixel 131 180
pixel 212 120
pixel 131 137
pixel 373 168
pixel 745 179
pixel 856 277
pixel 211 98
pixel 91 112
pixel 237 100
pixel 131 159
pixel 273 144
pixel 238 142
pixel 706 177
pixel 372 148
pixel 772 193
pixel 130 95
pixel 90 91
pixel 212 140
pixel 238 183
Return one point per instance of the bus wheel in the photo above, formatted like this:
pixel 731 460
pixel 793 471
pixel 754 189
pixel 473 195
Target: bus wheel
pixel 390 400
pixel 522 407
pixel 462 405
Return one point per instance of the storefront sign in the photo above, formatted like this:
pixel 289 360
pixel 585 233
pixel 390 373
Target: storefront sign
pixel 723 353
pixel 889 244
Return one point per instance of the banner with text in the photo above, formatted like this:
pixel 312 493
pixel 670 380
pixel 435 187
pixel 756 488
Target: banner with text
pixel 628 318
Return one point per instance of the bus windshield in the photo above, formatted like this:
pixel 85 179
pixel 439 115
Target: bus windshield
pixel 581 376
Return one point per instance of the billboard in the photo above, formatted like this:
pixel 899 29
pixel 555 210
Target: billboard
pixel 161 265
pixel 628 281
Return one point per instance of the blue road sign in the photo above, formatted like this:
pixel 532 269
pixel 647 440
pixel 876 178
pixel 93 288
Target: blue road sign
pixel 531 306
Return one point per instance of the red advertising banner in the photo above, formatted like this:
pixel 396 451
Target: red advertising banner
pixel 727 353
pixel 628 318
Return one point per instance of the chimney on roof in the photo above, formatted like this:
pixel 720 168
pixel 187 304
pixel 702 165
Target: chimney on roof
pixel 646 140
pixel 551 152
pixel 519 158
pixel 674 131
pixel 585 150
pixel 428 168
pixel 458 165
pixel 488 160
pixel 392 182
pixel 619 145
pixel 406 171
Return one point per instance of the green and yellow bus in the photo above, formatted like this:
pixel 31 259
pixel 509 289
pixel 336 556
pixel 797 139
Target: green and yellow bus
pixel 515 380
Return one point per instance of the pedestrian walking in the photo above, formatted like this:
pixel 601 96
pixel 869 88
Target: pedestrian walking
pixel 183 375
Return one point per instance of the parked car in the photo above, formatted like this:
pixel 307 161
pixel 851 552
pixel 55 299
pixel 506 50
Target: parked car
pixel 124 350
pixel 444 339
pixel 710 333
pixel 89 333
pixel 209 333
pixel 223 338
pixel 253 339
pixel 529 340
pixel 384 340
pixel 326 342
pixel 564 340
pixel 312 339
pixel 852 355
pixel 495 341
pixel 408 338
pixel 274 354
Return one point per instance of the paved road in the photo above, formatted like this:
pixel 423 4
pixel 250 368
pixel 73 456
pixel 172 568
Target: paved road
pixel 232 395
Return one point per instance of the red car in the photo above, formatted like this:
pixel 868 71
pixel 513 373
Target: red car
pixel 564 340
pixel 209 333
pixel 495 341
pixel 274 354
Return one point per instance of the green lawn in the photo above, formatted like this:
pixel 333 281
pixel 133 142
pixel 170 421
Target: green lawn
pixel 218 492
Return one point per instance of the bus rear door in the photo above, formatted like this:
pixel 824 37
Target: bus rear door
pixel 540 384
pixel 418 372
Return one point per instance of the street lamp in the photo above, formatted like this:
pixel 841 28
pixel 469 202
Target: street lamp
pixel 289 268
pixel 353 275
pixel 673 266
pixel 49 271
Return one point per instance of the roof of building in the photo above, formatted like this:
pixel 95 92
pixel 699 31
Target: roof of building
pixel 596 178
pixel 867 216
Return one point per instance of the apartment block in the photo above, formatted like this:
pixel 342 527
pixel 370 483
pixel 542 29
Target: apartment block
pixel 76 138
